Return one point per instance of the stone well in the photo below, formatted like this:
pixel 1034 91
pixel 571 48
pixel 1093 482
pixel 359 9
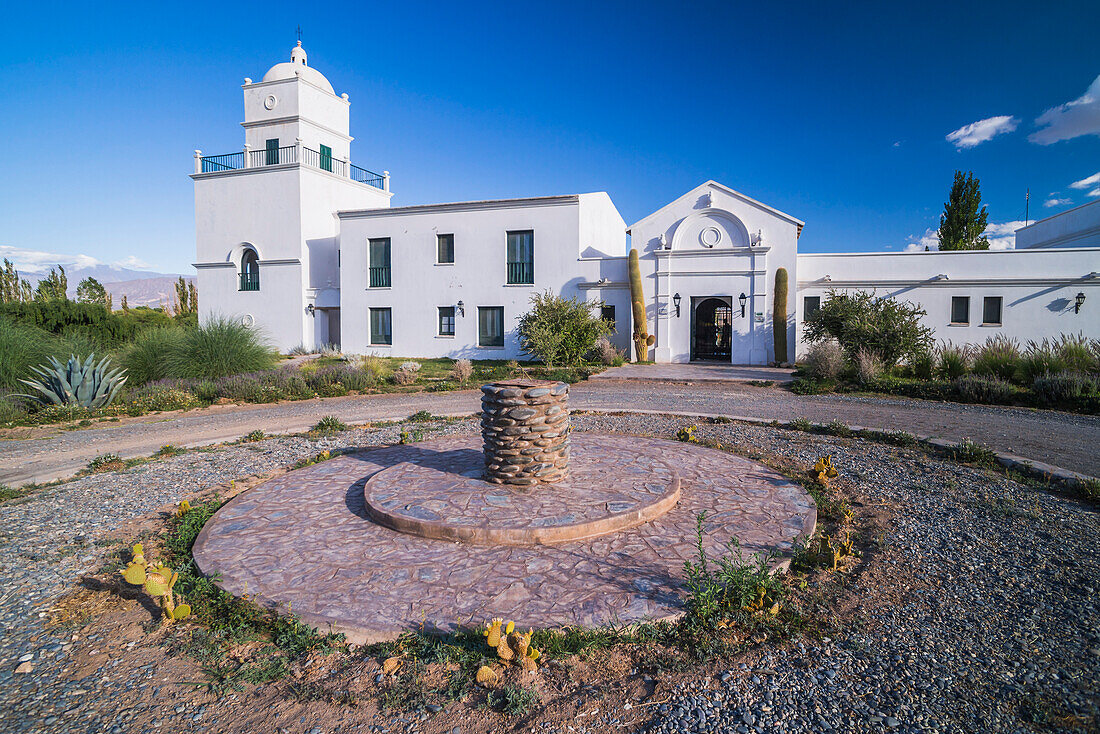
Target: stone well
pixel 525 431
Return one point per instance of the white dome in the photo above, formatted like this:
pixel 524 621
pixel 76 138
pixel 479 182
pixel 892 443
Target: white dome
pixel 297 66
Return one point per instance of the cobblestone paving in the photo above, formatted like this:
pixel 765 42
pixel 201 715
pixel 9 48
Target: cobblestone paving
pixel 303 540
pixel 437 489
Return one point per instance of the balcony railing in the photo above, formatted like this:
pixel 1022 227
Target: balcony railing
pixel 273 156
pixel 521 273
pixel 250 281
pixel 290 154
pixel 380 276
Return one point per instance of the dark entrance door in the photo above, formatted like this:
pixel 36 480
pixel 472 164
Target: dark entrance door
pixel 712 331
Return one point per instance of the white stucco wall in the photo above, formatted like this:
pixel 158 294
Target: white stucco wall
pixel 1038 288
pixel 478 275
pixel 734 264
pixel 1077 227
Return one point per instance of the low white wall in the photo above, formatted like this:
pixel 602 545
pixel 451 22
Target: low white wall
pixel 1077 227
pixel 1038 288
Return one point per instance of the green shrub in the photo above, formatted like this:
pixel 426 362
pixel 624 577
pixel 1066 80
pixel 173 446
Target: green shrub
pixel 1077 353
pixel 1062 387
pixel 11 409
pixel 984 389
pixel 91 320
pixel 146 359
pixel 329 424
pixel 560 331
pixel 923 366
pixel 1038 359
pixel 952 361
pixel 999 357
pixel 889 329
pixel 220 347
pixel 811 386
pixel 22 347
pixel 160 397
pixel 824 360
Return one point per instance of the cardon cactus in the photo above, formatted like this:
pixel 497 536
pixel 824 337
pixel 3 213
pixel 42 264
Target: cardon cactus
pixel 779 315
pixel 89 385
pixel 643 340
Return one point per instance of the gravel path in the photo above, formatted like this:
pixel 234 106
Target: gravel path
pixel 994 613
pixel 1061 439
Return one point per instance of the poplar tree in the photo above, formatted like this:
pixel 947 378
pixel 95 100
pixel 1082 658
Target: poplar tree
pixel 963 221
pixel 53 286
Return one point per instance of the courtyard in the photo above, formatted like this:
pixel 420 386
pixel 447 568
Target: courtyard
pixel 968 603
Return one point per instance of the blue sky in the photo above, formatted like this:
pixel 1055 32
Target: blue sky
pixel 838 114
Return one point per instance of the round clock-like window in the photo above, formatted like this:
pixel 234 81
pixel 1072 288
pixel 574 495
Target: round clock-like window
pixel 248 320
pixel 710 236
pixel 271 101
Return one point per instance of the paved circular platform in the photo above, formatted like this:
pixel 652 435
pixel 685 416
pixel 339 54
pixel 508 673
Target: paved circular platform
pixel 442 494
pixel 304 542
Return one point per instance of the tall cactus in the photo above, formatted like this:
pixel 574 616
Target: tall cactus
pixel 779 315
pixel 643 340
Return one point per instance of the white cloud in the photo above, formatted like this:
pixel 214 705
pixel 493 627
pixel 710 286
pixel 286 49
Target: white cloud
pixel 1001 236
pixel 1057 202
pixel 1086 182
pixel 133 263
pixel 1094 192
pixel 929 240
pixel 970 135
pixel 1070 120
pixel 39 260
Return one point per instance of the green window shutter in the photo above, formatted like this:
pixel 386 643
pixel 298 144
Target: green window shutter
pixel 326 158
pixel 380 326
pixel 380 263
pixel 272 152
pixel 490 326
pixel 521 258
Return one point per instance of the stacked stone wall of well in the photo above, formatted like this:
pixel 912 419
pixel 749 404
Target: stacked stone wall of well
pixel 525 431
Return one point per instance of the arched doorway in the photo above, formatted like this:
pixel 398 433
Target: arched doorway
pixel 712 330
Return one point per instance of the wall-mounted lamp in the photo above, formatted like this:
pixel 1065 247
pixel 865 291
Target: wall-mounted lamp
pixel 827 279
pixel 941 276
pixel 676 304
pixel 461 308
pixel 311 310
pixel 743 299
pixel 1078 302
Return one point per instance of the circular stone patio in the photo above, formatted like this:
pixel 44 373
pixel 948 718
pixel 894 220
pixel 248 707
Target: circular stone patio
pixel 306 541
pixel 442 494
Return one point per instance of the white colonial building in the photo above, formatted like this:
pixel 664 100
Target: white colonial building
pixel 293 237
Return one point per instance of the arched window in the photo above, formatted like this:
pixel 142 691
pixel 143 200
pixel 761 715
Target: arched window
pixel 250 270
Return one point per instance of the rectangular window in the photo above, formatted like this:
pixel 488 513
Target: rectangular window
pixel 380 326
pixel 271 153
pixel 444 248
pixel 991 311
pixel 960 309
pixel 521 258
pixel 326 158
pixel 446 321
pixel 380 263
pixel 490 326
pixel 607 313
pixel 810 306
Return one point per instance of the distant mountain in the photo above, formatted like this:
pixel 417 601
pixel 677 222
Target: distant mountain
pixel 141 287
pixel 158 291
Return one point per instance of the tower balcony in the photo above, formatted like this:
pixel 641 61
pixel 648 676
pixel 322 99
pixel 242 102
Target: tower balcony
pixel 289 155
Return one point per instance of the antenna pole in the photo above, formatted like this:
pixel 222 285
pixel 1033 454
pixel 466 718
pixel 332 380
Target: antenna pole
pixel 1027 205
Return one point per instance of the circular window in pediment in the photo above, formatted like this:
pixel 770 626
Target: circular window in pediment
pixel 248 320
pixel 710 236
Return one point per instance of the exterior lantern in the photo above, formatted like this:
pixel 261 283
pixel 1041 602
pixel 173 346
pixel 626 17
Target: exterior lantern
pixel 676 303
pixel 311 310
pixel 743 299
pixel 461 308
pixel 1078 302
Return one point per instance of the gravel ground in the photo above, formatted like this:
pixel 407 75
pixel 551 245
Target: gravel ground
pixel 994 614
pixel 1062 439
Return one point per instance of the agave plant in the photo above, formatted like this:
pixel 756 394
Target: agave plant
pixel 87 385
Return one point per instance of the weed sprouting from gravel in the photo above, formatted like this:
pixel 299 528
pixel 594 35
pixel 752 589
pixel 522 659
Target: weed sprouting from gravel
pixel 329 424
pixel 513 700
